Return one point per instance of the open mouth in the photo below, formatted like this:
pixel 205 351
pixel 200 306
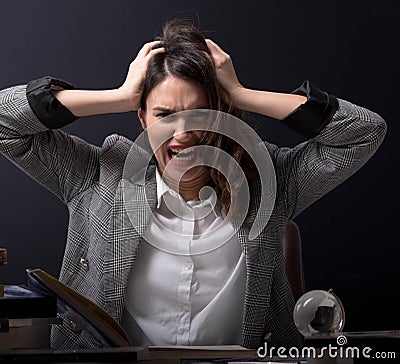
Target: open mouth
pixel 181 154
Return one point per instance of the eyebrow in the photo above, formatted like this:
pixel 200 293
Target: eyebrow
pixel 172 111
pixel 164 109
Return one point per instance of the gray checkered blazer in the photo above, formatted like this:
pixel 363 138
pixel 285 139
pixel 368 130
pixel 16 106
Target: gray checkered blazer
pixel 102 244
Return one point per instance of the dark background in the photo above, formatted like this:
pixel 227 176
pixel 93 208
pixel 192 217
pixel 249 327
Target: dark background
pixel 348 48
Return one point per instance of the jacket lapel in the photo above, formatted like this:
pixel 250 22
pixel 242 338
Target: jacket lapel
pixel 260 255
pixel 131 211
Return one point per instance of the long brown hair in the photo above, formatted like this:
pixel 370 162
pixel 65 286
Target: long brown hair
pixel 187 57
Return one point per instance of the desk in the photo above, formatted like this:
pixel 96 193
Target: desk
pixel 128 355
pixel 152 355
pixel 369 344
pixel 106 355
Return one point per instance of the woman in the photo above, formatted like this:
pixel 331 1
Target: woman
pixel 237 293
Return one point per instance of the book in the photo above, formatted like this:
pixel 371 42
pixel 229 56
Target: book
pixel 19 302
pixel 98 320
pixel 25 318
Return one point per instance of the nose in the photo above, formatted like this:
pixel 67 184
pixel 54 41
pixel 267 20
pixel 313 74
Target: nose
pixel 180 131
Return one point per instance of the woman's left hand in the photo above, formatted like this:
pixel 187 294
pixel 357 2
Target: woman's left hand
pixel 224 67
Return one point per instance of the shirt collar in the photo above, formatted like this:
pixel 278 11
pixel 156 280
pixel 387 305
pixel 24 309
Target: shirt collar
pixel 163 188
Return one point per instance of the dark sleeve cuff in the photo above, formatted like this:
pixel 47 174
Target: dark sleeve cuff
pixel 45 105
pixel 312 116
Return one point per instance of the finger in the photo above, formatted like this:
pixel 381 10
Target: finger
pixel 147 47
pixel 212 49
pixel 219 56
pixel 214 46
pixel 155 51
pixel 211 45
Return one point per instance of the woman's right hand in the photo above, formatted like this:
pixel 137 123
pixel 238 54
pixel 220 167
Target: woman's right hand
pixel 131 89
pixel 123 99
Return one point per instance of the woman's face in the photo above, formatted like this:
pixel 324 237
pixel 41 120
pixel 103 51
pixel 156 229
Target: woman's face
pixel 168 97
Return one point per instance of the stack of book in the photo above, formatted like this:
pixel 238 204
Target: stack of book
pixel 25 318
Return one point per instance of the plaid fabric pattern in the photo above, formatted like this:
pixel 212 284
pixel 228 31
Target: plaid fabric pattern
pixel 89 180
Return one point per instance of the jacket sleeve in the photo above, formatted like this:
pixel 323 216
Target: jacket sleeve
pixel 66 165
pixel 342 137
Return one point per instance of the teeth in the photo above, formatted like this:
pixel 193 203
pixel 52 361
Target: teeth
pixel 183 158
pixel 184 155
pixel 182 151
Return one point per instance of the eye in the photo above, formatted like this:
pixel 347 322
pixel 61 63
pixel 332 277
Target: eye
pixel 162 114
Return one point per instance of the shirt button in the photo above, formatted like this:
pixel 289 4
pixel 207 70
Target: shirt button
pixel 189 265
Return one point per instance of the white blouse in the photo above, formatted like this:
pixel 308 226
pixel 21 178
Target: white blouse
pixel 188 283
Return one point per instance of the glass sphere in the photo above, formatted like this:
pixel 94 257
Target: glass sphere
pixel 318 311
